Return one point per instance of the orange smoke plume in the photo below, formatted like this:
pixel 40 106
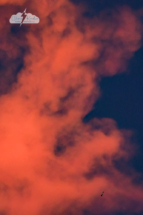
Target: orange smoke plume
pixel 52 163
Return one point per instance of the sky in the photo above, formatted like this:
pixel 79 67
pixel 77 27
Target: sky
pixel 71 120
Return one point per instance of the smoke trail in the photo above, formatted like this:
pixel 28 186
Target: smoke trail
pixel 51 162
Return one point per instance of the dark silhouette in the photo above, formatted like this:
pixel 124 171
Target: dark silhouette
pixel 102 193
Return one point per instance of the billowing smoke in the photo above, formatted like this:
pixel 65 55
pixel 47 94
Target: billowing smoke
pixel 51 162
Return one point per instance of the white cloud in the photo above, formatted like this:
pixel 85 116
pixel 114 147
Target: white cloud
pixel 16 19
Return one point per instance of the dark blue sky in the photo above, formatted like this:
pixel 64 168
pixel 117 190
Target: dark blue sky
pixel 122 100
pixel 122 95
pixel 99 5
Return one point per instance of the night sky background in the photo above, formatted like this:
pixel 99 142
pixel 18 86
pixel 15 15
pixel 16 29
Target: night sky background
pixel 122 95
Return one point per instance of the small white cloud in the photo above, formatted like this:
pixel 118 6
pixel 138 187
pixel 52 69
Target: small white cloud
pixel 16 19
